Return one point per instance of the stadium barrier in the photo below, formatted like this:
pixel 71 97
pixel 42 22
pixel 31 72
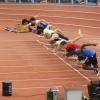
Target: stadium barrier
pixel 97 2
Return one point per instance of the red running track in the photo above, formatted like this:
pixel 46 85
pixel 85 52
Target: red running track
pixel 29 65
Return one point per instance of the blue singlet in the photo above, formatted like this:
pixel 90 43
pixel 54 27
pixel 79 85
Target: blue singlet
pixel 43 24
pixel 87 52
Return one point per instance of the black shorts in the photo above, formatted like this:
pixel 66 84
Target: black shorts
pixel 62 36
pixel 39 30
pixel 70 52
pixel 54 41
pixel 92 61
pixel 81 58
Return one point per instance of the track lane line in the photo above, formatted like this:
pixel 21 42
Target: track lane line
pixel 51 11
pixel 50 16
pixel 68 64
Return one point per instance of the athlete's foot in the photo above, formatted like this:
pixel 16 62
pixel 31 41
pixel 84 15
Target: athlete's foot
pixel 72 58
pixel 96 72
pixel 6 28
pixel 52 51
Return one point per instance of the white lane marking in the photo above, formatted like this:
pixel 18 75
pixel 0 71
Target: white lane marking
pixel 76 25
pixel 13 67
pixel 70 18
pixel 68 64
pixel 50 10
pixel 51 16
pixel 60 71
pixel 41 87
pixel 44 87
pixel 74 68
pixel 45 79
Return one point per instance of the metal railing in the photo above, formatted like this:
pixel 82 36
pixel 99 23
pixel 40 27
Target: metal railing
pixel 53 1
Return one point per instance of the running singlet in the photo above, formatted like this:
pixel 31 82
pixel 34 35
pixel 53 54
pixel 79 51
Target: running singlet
pixel 87 52
pixel 72 45
pixel 43 24
pixel 48 31
pixel 22 28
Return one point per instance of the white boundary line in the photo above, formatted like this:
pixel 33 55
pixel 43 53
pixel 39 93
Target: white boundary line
pixel 30 66
pixel 58 86
pixel 68 64
pixel 51 16
pixel 14 67
pixel 60 71
pixel 69 18
pixel 46 79
pixel 41 87
pixel 46 87
pixel 74 68
pixel 46 71
pixel 50 10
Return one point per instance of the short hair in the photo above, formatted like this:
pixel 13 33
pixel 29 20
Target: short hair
pixel 25 21
pixel 32 19
pixel 63 43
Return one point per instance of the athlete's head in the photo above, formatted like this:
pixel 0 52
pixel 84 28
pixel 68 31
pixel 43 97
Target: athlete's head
pixel 63 43
pixel 32 20
pixel 25 21
pixel 77 51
